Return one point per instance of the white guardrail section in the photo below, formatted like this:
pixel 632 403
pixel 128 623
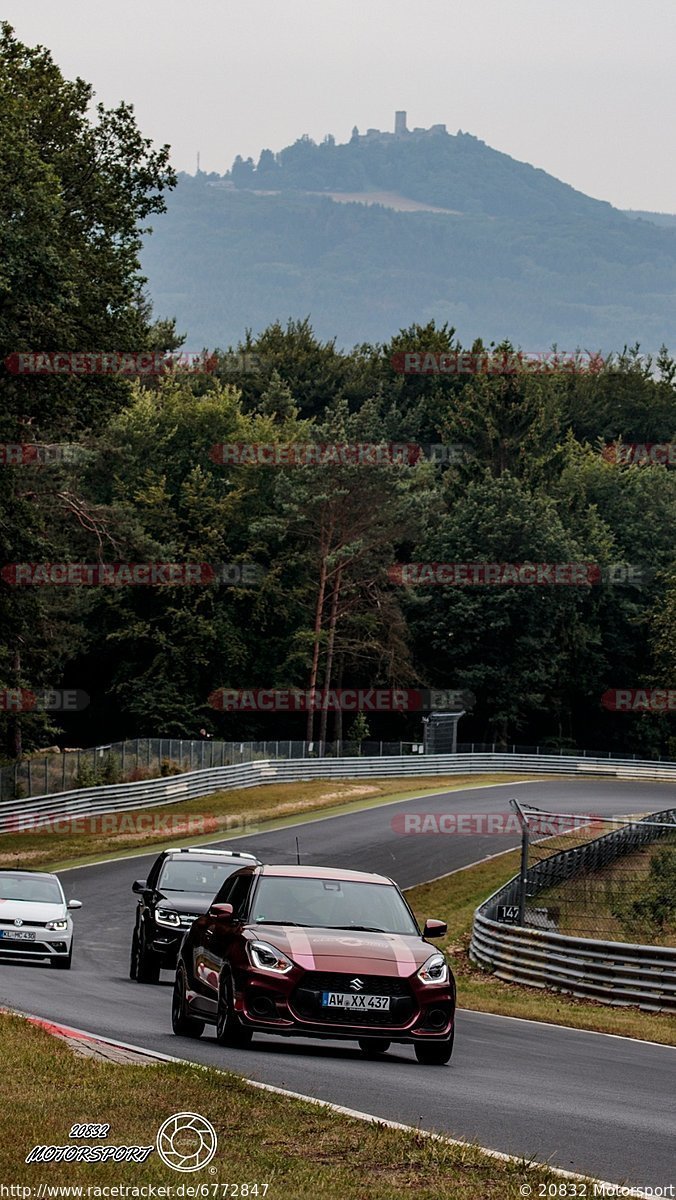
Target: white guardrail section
pixel 122 797
pixel 609 971
pixel 612 972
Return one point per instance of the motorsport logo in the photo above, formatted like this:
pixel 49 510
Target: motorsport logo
pixel 339 699
pixel 185 1142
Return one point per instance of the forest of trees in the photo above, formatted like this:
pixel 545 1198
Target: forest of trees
pixel 459 172
pixel 534 481
pixel 567 269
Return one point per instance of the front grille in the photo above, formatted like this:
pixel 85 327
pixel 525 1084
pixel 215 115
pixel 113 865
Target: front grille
pixel 374 985
pixel 306 1000
pixel 9 924
pixel 28 947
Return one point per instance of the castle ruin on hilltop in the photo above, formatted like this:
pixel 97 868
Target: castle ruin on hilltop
pixel 400 131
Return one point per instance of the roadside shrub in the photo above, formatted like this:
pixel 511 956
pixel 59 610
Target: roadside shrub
pixel 656 908
pixel 169 766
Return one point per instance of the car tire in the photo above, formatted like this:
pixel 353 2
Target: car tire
pixel 133 962
pixel 229 1030
pixel 373 1047
pixel 435 1053
pixel 182 1024
pixel 65 963
pixel 147 963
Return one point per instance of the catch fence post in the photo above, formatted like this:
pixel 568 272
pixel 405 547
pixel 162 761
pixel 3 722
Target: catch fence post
pixel 523 872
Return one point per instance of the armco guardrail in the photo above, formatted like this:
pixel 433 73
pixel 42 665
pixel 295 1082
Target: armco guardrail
pixel 176 788
pixel 55 772
pixel 612 972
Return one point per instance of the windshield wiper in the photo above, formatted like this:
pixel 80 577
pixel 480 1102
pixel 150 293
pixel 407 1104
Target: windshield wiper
pixel 358 928
pixel 300 924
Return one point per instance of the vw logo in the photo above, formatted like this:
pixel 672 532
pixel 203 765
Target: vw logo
pixel 356 984
pixel 186 1142
pixel 18 921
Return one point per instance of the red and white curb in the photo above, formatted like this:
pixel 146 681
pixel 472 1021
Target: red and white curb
pixel 100 1047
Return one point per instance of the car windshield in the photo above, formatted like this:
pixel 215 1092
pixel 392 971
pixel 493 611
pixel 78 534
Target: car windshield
pixel 36 888
pixel 331 904
pixel 190 875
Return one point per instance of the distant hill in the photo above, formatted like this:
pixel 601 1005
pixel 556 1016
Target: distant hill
pixel 668 220
pixel 352 236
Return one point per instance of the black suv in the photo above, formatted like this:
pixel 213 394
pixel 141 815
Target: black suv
pixel 180 887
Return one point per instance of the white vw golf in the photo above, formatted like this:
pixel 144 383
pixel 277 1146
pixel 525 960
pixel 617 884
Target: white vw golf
pixel 34 920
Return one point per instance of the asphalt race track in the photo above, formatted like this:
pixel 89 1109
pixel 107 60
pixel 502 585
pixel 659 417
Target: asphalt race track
pixel 600 1105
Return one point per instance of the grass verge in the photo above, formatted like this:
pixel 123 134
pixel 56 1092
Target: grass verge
pixel 454 899
pixel 298 1149
pixel 232 813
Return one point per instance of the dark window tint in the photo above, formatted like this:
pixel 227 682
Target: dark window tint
pixel 236 892
pixel 187 874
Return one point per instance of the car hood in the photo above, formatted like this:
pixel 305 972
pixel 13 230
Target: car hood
pixel 30 910
pixel 317 949
pixel 195 903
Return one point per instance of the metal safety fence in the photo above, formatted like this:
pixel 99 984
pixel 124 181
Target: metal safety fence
pixel 167 790
pixel 531 951
pixel 138 759
pixel 149 758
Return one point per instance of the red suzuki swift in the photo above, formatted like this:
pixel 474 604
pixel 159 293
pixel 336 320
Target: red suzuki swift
pixel 315 952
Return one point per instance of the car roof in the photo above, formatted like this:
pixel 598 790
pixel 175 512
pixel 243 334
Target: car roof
pixel 295 872
pixel 33 874
pixel 212 855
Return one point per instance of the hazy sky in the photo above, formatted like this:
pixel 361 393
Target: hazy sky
pixel 585 89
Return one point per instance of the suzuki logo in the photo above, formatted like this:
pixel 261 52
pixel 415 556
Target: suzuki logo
pixel 18 921
pixel 356 984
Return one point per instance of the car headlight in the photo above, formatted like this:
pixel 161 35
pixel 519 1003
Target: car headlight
pixel 267 958
pixel 435 970
pixel 165 916
pixel 57 924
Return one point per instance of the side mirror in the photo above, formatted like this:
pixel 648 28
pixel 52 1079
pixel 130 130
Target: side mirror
pixel 224 912
pixel 434 929
pixel 138 886
pixel 74 904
